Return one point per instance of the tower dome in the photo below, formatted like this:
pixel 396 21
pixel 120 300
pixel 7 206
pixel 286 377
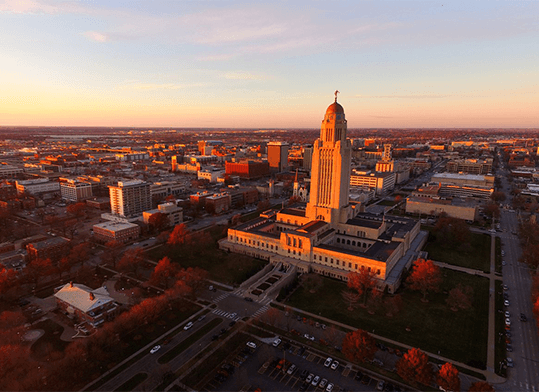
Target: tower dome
pixel 335 108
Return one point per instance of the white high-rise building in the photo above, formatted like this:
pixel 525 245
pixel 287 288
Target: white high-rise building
pixel 130 198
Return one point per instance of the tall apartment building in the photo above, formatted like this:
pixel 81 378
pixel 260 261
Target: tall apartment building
pixel 278 156
pixel 74 190
pixel 307 157
pixel 381 183
pixel 130 198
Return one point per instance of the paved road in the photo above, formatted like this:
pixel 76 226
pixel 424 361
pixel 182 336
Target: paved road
pixel 525 338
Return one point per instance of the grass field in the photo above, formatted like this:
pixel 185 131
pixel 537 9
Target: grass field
pixel 432 326
pixel 477 257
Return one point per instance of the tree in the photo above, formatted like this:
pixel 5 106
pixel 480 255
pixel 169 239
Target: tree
pixel 263 205
pixel 162 272
pixel 492 210
pixel 460 298
pixel 77 209
pixel 333 336
pixel 358 346
pixel 38 268
pixel 374 301
pixel 497 196
pixel 448 377
pixel 195 278
pixel 80 253
pixel 362 282
pixel 272 316
pixel 530 255
pixel 8 279
pixel 113 253
pixel 159 221
pixel 132 261
pixel 180 235
pixel 414 367
pixel 481 386
pixel 452 232
pixel 351 298
pixel 425 277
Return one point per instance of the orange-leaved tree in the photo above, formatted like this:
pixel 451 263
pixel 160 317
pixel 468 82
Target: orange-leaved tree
pixel 358 346
pixel 163 271
pixel 180 235
pixel 460 298
pixel 362 282
pixel 448 377
pixel 414 367
pixel 425 277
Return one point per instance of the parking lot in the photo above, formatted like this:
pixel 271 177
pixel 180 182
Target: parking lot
pixel 270 368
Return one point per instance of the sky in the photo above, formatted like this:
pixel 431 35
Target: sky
pixel 269 64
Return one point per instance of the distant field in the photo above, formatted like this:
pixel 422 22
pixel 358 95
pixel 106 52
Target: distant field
pixel 461 335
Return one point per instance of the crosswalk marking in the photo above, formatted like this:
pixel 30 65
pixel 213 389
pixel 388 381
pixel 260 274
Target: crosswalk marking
pixel 261 311
pixel 221 297
pixel 225 314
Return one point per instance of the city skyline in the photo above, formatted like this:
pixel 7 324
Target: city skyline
pixel 241 65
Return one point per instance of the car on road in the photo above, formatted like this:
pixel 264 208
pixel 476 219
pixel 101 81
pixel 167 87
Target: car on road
pixel 507 314
pixel 232 315
pixel 329 388
pixel 276 342
pixel 523 317
pixel 506 302
pixel 251 345
pixel 504 263
pixel 187 326
pixel 248 299
pixel 309 337
pixel 315 381
pixel 328 361
pixel 380 385
pixel 334 365
pixel 509 347
pixel 155 349
pixel 505 287
pixel 509 362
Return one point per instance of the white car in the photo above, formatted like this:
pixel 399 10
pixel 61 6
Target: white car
pixel 315 381
pixel 155 349
pixel 276 342
pixel 329 388
pixel 251 345
pixel 309 337
pixel 334 365
pixel 507 321
pixel 328 362
pixel 510 362
pixel 507 314
pixel 323 383
pixel 506 302
pixel 187 326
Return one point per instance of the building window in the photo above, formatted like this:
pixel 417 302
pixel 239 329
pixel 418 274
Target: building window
pixel 338 262
pixel 378 272
pixel 338 240
pixel 326 259
pixel 349 265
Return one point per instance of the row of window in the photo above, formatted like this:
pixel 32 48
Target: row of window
pixel 343 263
pixel 353 243
pixel 254 243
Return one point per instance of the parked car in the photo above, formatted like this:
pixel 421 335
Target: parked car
pixel 334 365
pixel 251 345
pixel 509 362
pixel 309 337
pixel 323 383
pixel 380 385
pixel 328 361
pixel 315 381
pixel 309 378
pixel 276 342
pixel 291 369
pixel 329 388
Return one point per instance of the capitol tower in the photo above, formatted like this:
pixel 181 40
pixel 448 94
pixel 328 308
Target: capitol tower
pixel 330 177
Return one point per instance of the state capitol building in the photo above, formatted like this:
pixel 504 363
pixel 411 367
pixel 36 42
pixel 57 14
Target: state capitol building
pixel 330 235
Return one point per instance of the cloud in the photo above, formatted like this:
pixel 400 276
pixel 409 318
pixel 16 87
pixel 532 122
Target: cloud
pixel 96 36
pixel 39 7
pixel 137 85
pixel 411 96
pixel 242 76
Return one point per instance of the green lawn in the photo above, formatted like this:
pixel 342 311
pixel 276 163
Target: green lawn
pixel 461 336
pixel 229 268
pixel 477 256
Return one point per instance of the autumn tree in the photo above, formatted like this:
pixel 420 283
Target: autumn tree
pixel 179 235
pixel 80 253
pixel 530 255
pixel 195 278
pixel 375 301
pixel 425 277
pixel 481 386
pixel 362 282
pixel 132 261
pixel 358 346
pixel 497 196
pixel 460 297
pixel 77 209
pixel 452 232
pixel 448 377
pixel 159 222
pixel 8 279
pixel 333 336
pixel 113 252
pixel 414 367
pixel 37 269
pixel 272 316
pixel 163 271
pixel 351 298
pixel 492 210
